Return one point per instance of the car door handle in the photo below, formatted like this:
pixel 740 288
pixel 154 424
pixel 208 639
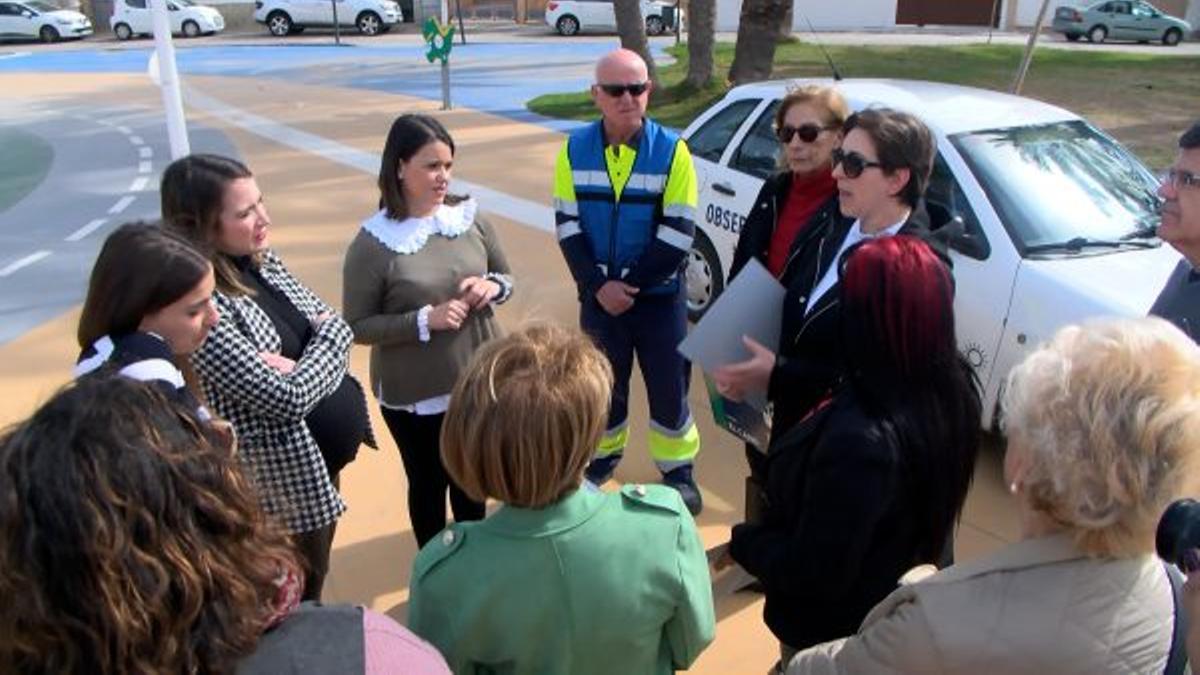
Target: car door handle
pixel 725 189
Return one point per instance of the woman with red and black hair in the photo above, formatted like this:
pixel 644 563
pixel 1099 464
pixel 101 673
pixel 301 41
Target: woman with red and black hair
pixel 872 481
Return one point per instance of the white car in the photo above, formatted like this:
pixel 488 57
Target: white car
pixel 285 17
pixel 135 17
pixel 1055 218
pixel 569 17
pixel 41 21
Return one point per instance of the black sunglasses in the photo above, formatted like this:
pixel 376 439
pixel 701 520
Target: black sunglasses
pixel 618 90
pixel 853 164
pixel 807 132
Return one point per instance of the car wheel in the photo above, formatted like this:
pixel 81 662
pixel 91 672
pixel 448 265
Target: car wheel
pixel 1172 37
pixel 704 277
pixel 567 25
pixel 1097 34
pixel 123 31
pixel 368 23
pixel 279 23
pixel 1072 37
pixel 655 25
pixel 48 34
pixel 191 29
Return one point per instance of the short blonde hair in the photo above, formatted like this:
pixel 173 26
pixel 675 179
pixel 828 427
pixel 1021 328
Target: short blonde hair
pixel 526 416
pixel 831 102
pixel 1107 415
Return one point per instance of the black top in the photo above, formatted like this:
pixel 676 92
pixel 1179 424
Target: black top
pixel 140 356
pixel 810 362
pixel 1179 301
pixel 837 532
pixel 339 422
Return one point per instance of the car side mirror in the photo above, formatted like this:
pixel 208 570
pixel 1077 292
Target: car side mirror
pixel 173 8
pixel 29 14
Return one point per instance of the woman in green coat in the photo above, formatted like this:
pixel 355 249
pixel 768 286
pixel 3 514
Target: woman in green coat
pixel 560 579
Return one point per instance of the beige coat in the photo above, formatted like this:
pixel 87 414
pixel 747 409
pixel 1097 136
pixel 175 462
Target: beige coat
pixel 1036 606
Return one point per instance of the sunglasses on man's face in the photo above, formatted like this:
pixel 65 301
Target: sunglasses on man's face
pixel 853 164
pixel 618 90
pixel 807 132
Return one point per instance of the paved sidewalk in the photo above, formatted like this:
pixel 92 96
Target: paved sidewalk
pixel 316 202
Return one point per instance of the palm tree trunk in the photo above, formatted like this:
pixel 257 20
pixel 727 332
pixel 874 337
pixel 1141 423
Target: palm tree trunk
pixel 754 56
pixel 631 27
pixel 701 35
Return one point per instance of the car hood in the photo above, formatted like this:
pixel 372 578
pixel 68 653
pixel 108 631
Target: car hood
pixel 206 12
pixel 67 15
pixel 1123 283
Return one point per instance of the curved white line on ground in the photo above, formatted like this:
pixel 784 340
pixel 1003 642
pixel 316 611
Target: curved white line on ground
pixel 526 212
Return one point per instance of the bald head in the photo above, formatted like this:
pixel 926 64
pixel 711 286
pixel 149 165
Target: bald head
pixel 621 92
pixel 621 66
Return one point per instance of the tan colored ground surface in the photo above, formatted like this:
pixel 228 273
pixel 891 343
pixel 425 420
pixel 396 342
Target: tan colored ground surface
pixel 316 205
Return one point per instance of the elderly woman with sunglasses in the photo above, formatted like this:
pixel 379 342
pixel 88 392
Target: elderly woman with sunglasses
pixel 881 170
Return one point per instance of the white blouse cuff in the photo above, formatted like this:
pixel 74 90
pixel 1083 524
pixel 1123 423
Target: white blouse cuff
pixel 423 323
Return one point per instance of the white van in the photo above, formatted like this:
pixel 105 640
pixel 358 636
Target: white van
pixel 1057 219
pixel 134 17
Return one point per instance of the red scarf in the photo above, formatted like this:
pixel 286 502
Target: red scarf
pixel 804 198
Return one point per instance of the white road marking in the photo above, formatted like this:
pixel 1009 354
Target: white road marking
pixel 125 130
pixel 89 228
pixel 139 184
pixel 144 166
pixel 145 152
pixel 538 216
pixel 136 140
pixel 23 262
pixel 122 204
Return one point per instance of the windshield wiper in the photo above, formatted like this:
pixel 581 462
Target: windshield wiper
pixel 1077 244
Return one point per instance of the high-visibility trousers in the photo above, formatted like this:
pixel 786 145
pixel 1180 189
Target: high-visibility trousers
pixel 652 330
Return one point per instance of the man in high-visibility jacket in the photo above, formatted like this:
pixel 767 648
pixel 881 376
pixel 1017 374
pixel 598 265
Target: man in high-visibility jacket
pixel 625 205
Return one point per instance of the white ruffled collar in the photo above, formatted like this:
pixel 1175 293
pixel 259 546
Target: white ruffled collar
pixel 409 235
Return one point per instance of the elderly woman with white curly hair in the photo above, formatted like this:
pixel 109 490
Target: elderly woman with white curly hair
pixel 1103 426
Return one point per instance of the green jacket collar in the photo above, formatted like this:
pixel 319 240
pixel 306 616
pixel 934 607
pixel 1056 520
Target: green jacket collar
pixel 565 514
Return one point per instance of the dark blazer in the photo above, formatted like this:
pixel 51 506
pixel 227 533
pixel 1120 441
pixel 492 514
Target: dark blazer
pixel 754 240
pixel 809 359
pixel 836 532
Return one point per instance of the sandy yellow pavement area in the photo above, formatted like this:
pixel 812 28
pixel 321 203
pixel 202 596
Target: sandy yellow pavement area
pixel 316 205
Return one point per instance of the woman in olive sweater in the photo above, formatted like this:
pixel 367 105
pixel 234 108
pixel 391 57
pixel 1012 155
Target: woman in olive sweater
pixel 419 282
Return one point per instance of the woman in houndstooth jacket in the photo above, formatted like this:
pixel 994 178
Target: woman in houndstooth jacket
pixel 275 363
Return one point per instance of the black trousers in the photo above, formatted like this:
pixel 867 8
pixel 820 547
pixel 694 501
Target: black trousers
pixel 418 437
pixel 313 548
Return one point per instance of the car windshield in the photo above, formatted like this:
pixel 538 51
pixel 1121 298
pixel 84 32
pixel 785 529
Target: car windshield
pixel 1061 182
pixel 42 6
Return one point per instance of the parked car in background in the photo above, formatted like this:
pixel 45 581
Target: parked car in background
pixel 135 17
pixel 38 20
pixel 1120 20
pixel 1049 220
pixel 286 17
pixel 571 17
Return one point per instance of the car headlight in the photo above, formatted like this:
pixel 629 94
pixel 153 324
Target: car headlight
pixel 63 22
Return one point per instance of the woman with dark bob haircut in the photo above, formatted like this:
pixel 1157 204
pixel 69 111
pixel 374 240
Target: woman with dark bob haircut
pixel 131 544
pixel 881 166
pixel 148 306
pixel 872 481
pixel 275 364
pixel 419 285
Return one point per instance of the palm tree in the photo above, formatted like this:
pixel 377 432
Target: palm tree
pixel 631 27
pixel 701 29
pixel 758 32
